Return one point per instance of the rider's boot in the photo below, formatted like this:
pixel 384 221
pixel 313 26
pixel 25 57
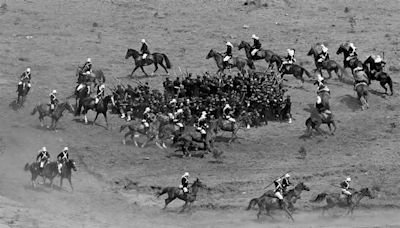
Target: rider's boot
pixel 27 90
pixel 18 88
pixel 348 200
pixel 280 202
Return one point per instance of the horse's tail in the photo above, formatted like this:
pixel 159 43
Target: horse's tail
pixel 162 192
pixel 27 166
pixel 390 82
pixel 167 62
pixel 35 109
pixel 320 197
pixel 252 203
pixel 307 72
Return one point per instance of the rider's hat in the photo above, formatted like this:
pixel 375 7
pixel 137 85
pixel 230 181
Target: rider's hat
pixel 229 44
pixel 352 45
pixel 89 60
pixel 348 179
pixel 44 148
pixel 54 91
pixel 28 70
pixel 287 175
pixel 378 59
pixel 65 148
pixel 143 41
pixel 254 37
pixel 186 174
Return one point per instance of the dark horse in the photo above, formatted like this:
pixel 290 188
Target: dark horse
pixel 66 172
pixel 237 62
pixel 154 58
pixel 315 121
pixel 88 103
pixel 49 171
pixel 22 93
pixel 328 65
pixel 294 69
pixel 261 54
pixel 337 199
pixel 382 77
pixel 353 62
pixel 44 111
pixel 175 192
pixel 97 76
pixel 291 196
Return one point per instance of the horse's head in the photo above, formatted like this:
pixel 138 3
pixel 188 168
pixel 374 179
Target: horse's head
pixel 71 164
pixel 197 183
pixel 211 54
pixel 302 186
pixel 243 44
pixel 342 49
pixel 311 52
pixel 276 59
pixel 131 53
pixel 366 192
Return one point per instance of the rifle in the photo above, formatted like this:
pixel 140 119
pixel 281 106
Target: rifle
pixel 277 178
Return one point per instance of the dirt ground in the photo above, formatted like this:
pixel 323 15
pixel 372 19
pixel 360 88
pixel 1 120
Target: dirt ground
pixel 114 184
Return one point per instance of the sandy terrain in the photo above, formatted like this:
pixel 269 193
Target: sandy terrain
pixel 114 184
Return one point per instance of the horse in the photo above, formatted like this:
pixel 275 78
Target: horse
pixel 328 64
pixel 315 121
pixel 291 196
pixel 237 62
pixel 226 125
pixel 154 58
pixel 175 192
pixel 96 76
pixel 44 111
pixel 136 127
pixel 81 93
pixel 294 69
pixel 22 93
pixel 339 200
pixel 362 94
pixel 381 76
pixel 67 173
pixel 268 202
pixel 88 103
pixel 261 54
pixel 325 96
pixel 49 171
pixel 353 62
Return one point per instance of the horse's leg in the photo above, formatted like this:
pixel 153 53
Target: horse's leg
pixel 105 117
pixel 165 68
pixel 383 85
pixel 126 135
pixel 70 183
pixel 86 121
pixel 133 71
pixel 184 207
pixel 329 73
pixel 167 201
pixel 155 67
pixel 97 114
pixel 141 67
pixel 61 180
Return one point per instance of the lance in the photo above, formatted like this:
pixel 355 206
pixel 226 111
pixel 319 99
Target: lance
pixel 277 178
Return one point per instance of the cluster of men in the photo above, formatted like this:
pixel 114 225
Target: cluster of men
pixel 43 158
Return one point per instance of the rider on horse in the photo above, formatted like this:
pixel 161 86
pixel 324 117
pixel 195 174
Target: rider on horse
pixel 185 183
pixel 43 157
pixel 228 53
pixel 144 49
pixel 87 67
pixel 324 55
pixel 177 119
pixel 379 65
pixel 345 185
pixel 62 158
pixel 278 192
pixel 53 100
pixel 100 93
pixel 352 52
pixel 322 110
pixel 146 118
pixel 227 111
pixel 285 183
pixel 256 45
pixel 25 77
pixel 359 76
pixel 202 125
pixel 289 59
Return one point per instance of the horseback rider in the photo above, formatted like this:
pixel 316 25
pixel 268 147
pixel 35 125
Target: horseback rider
pixel 227 111
pixel 345 185
pixel 256 45
pixel 43 157
pixel 62 158
pixel 144 49
pixel 289 59
pixel 379 65
pixel 352 52
pixel 322 110
pixel 285 183
pixel 324 55
pixel 359 76
pixel 177 119
pixel 146 118
pixel 202 125
pixel 228 53
pixel 322 87
pixel 278 192
pixel 25 77
pixel 100 93
pixel 185 183
pixel 87 67
pixel 53 101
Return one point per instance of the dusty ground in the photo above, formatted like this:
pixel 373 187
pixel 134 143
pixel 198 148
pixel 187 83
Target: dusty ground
pixel 113 184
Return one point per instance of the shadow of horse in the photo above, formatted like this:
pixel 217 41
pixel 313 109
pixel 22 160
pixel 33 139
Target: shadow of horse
pixel 351 102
